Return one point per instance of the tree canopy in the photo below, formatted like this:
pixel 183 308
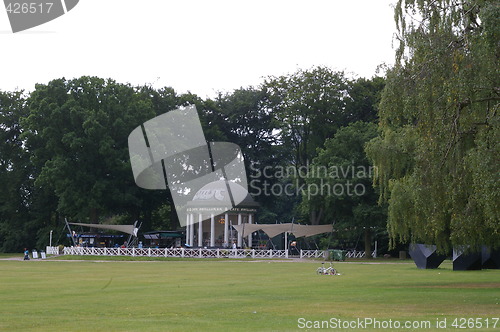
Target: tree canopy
pixel 438 148
pixel 65 151
pixel 77 133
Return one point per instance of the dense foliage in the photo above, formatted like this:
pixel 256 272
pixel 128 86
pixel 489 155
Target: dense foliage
pixel 65 152
pixel 438 151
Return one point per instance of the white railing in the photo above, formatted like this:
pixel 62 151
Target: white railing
pixel 52 250
pixel 358 254
pixel 355 254
pixel 183 252
pixel 312 253
pixel 324 254
pixel 196 252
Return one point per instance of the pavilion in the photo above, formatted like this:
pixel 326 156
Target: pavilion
pixel 210 215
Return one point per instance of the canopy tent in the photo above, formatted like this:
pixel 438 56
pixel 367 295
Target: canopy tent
pixel 310 230
pixel 274 229
pixel 129 229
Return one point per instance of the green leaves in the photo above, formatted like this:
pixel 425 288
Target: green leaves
pixel 344 173
pixel 437 149
pixel 309 106
pixel 77 133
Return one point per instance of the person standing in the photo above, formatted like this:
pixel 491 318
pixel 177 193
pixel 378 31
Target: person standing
pixel 26 254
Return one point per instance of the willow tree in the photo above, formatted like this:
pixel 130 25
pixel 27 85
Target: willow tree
pixel 438 150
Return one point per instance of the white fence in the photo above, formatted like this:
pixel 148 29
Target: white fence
pixel 355 254
pixel 312 254
pixel 52 250
pixel 177 252
pixel 196 252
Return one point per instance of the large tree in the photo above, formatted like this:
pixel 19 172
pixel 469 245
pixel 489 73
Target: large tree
pixel 309 106
pixel 339 183
pixel 247 122
pixel 16 230
pixel 364 98
pixel 77 134
pixel 438 151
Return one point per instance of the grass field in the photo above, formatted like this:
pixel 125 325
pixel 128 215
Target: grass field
pixel 225 295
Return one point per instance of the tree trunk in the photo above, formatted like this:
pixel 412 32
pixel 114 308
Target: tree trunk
pixel 94 216
pixel 315 218
pixel 174 219
pixel 368 243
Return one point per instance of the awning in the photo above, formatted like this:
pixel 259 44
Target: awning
pixel 310 230
pixel 274 229
pixel 129 229
pixel 155 235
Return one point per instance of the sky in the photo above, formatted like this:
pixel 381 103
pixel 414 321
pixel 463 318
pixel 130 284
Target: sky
pixel 200 46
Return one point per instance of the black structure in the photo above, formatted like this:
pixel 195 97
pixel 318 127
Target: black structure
pixel 466 261
pixel 164 239
pixel 490 259
pixel 425 256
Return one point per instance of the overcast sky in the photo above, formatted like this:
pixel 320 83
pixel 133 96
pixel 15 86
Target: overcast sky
pixel 203 46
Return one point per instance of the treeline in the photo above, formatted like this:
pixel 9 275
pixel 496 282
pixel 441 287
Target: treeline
pixel 64 151
pixel 427 136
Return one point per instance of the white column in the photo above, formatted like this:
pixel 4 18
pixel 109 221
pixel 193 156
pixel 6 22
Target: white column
pixel 239 234
pixel 250 235
pixel 226 230
pixel 191 230
pixel 187 229
pixel 200 230
pixel 212 230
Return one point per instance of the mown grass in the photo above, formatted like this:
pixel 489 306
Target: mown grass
pixel 214 295
pixel 246 259
pixel 145 258
pixel 10 255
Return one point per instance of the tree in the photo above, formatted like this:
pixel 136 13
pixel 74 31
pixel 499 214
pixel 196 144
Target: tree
pixel 309 106
pixel 438 150
pixel 248 123
pixel 364 98
pixel 77 134
pixel 245 119
pixel 15 176
pixel 339 183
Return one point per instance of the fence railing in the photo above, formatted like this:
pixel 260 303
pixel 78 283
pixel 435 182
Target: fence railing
pixel 197 252
pixel 312 254
pixel 358 254
pixel 52 250
pixel 177 252
pixel 355 254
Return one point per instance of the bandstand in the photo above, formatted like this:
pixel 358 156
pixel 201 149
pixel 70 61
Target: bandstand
pixel 210 218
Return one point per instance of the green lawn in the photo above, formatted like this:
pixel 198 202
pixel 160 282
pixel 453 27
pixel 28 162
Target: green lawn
pixel 11 255
pixel 215 295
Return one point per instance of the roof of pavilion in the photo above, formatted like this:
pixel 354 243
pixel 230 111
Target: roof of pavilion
pixel 220 196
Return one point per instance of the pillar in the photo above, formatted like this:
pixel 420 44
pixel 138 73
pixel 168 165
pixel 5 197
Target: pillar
pixel 226 229
pixel 200 230
pixel 212 230
pixel 250 235
pixel 239 234
pixel 187 229
pixel 191 231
